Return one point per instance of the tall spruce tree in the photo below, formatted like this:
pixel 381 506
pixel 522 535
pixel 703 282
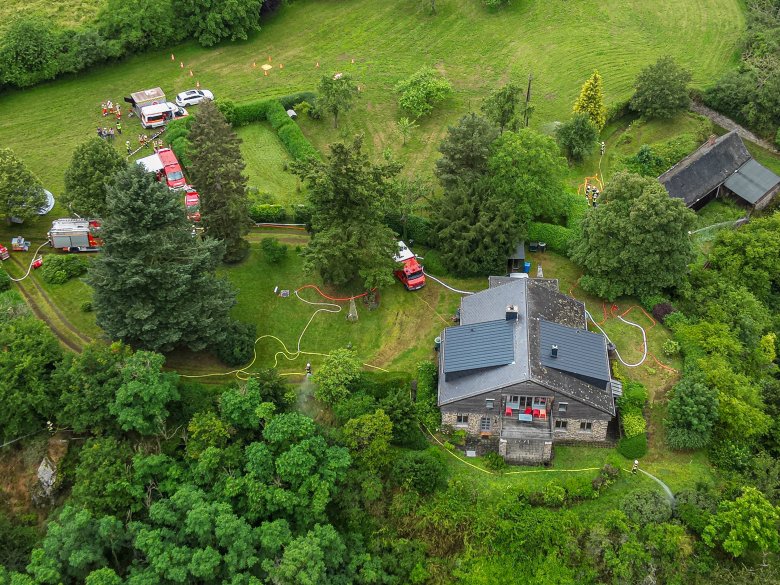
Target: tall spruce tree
pixel 154 283
pixel 465 151
pixel 591 101
pixel 476 229
pixel 216 170
pixel 348 196
pixel 91 169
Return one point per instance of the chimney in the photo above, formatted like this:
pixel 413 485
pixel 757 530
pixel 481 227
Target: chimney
pixel 512 314
pixel 554 351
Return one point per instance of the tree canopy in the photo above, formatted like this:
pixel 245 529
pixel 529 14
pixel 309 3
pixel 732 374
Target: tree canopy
pixel 216 168
pixel 154 284
pixel 591 101
pixel 92 168
pixel 465 151
pixel 501 106
pixel 21 193
pixel 212 21
pixel 661 89
pixel 347 194
pixel 420 92
pixel 636 241
pixel 577 137
pixel 337 94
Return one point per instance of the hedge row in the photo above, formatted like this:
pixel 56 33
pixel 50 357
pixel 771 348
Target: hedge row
pixel 427 394
pixel 557 237
pixel 274 112
pixel 268 213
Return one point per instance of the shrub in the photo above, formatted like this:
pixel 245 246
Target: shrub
pixel 60 269
pixel 180 147
pixel 427 394
pixel 228 109
pixel 420 92
pixel 28 52
pixel 646 506
pixel 494 462
pixel 634 423
pixel 86 307
pixel 5 280
pixel 418 228
pixel 577 137
pixel 273 251
pixel 302 214
pixel 422 471
pixel 557 237
pixel 671 347
pixel 662 311
pixel 553 495
pixel 633 447
pixel 267 213
pixel 292 100
pixel 617 110
pixel 634 396
pixel 249 112
pixel 239 345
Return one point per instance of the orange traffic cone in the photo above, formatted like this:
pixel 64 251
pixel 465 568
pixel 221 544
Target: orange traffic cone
pixel 353 61
pixel 190 72
pixel 265 72
pixel 197 84
pixel 269 58
pixel 254 64
pixel 317 65
pixel 181 64
pixel 172 57
pixel 281 66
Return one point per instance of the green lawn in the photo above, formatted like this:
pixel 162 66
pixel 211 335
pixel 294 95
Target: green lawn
pixel 266 161
pixel 560 41
pixel 63 12
pixel 395 336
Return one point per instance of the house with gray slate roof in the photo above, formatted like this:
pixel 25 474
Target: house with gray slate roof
pixel 521 371
pixel 721 166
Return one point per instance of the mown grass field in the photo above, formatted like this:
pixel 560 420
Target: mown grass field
pixel 266 160
pixel 561 42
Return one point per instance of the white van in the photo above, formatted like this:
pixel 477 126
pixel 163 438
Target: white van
pixel 160 114
pixel 155 115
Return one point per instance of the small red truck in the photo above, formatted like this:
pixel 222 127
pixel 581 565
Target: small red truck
pixel 410 272
pixel 192 204
pixel 75 235
pixel 164 164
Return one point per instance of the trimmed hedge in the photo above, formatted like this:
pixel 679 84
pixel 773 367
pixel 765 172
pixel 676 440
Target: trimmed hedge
pixel 633 447
pixel 557 237
pixel 290 101
pixel 296 143
pixel 277 115
pixel 60 269
pixel 418 228
pixel 267 213
pixel 249 112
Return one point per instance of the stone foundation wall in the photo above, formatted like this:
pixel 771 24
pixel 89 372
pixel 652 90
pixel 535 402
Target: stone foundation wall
pixel 472 428
pixel 598 432
pixel 525 451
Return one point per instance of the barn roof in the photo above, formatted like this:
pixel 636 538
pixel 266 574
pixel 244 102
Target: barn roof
pixel 699 174
pixel 752 181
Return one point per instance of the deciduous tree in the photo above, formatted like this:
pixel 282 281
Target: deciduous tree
pixel 577 137
pixel 28 52
pixel 21 193
pixel 591 101
pixel 368 439
pixel 336 95
pixel 527 170
pixel 141 402
pixel 347 194
pixel 422 91
pixel 212 21
pixel 92 168
pixel 748 523
pixel 337 376
pixel 405 126
pixel 154 284
pixel 636 241
pixel 661 89
pixel 692 413
pixel 217 172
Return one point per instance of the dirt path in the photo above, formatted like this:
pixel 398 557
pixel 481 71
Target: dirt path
pixel 44 308
pixel 730 124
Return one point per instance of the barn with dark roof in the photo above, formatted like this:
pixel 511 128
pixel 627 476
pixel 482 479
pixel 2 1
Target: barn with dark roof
pixel 522 371
pixel 721 166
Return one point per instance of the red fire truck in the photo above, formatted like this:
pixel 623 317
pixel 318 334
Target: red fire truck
pixel 75 235
pixel 410 272
pixel 164 164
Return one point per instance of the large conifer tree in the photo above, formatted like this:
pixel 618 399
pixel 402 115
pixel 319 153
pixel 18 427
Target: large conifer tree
pixel 216 171
pixel 154 283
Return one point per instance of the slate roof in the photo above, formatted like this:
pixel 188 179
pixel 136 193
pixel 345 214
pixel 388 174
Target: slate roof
pixel 538 301
pixel 479 345
pixel 519 252
pixel 752 181
pixel 699 174
pixel 579 352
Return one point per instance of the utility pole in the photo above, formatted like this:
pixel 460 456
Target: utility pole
pixel 527 113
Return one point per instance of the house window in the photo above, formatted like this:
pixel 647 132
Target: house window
pixel 561 424
pixel 484 424
pixel 514 400
pixel 462 419
pixel 586 425
pixel 562 406
pixel 489 403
